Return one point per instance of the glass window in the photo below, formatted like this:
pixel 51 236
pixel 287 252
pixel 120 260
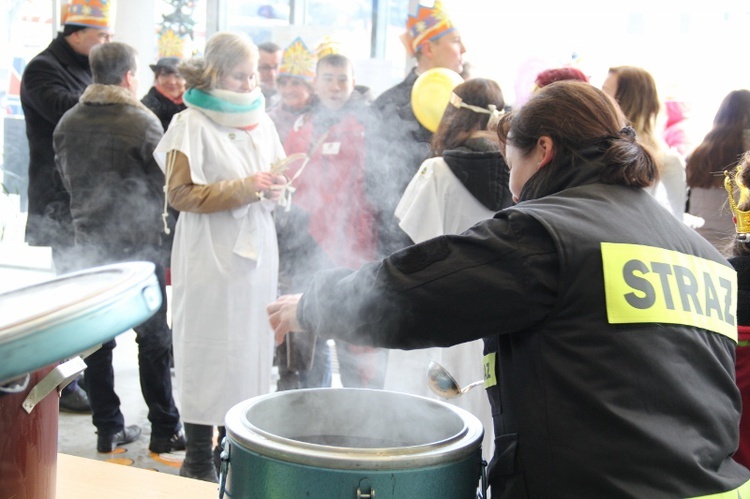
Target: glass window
pixel 181 27
pixel 395 27
pixel 29 31
pixel 256 18
pixel 347 21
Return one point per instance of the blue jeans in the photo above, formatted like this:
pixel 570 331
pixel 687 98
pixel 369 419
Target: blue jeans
pixel 154 340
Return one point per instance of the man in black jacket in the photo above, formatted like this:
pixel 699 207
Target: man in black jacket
pixel 51 84
pixel 433 40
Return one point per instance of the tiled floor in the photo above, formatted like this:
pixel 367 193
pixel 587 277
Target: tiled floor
pixel 77 435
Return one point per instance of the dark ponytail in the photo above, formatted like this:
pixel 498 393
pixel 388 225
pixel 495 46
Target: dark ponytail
pixel 630 162
pixel 581 120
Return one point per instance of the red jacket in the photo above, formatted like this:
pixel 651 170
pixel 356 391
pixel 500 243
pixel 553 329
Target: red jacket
pixel 742 369
pixel 332 187
pixel 741 264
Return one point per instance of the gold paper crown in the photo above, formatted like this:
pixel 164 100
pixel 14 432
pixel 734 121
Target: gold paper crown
pixel 327 46
pixel 741 218
pixel 298 61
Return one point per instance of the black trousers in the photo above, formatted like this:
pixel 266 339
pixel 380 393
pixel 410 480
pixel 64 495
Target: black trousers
pixel 154 339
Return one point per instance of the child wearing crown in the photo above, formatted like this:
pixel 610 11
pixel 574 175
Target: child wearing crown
pixel 738 182
pixel 335 191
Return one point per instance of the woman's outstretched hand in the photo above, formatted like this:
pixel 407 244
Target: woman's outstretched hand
pixel 282 314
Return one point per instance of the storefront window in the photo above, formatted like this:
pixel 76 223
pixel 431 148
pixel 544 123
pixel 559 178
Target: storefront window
pixel 27 30
pixel 395 27
pixel 181 27
pixel 256 18
pixel 350 23
pixel 177 28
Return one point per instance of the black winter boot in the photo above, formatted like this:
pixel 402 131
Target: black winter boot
pixel 199 458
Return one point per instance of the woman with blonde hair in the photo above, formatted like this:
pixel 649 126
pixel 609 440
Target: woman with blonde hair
pixel 635 91
pixel 217 156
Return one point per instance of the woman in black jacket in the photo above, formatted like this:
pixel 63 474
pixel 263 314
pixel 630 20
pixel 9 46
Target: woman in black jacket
pixel 165 100
pixel 165 97
pixel 609 326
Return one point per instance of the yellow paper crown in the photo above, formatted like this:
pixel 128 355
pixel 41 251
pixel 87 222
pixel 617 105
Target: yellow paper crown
pixel 298 61
pixel 327 46
pixel 741 218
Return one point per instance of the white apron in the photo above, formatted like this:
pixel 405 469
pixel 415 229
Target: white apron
pixel 224 272
pixel 436 203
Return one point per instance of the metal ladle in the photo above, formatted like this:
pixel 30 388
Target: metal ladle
pixel 443 384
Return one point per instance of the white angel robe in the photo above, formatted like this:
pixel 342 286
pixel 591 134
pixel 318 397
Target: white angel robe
pixel 436 203
pixel 224 271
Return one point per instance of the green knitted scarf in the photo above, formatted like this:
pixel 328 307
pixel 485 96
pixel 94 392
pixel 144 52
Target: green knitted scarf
pixel 231 109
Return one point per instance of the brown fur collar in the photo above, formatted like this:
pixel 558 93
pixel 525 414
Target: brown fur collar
pixel 102 95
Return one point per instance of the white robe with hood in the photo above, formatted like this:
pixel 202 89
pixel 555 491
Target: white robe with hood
pixel 436 203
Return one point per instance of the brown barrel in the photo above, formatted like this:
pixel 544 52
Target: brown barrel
pixel 28 443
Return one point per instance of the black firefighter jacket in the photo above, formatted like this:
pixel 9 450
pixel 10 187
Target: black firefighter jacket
pixel 609 332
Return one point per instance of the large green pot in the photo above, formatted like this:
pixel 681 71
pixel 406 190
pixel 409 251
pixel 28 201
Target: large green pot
pixel 350 443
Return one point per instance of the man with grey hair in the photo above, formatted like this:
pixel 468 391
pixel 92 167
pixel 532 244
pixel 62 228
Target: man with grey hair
pixel 104 153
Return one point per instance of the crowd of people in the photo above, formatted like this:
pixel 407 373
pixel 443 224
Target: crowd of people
pixel 563 251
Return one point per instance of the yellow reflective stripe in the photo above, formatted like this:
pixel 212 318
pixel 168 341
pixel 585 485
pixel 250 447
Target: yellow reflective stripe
pixel 644 284
pixel 489 370
pixel 741 492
